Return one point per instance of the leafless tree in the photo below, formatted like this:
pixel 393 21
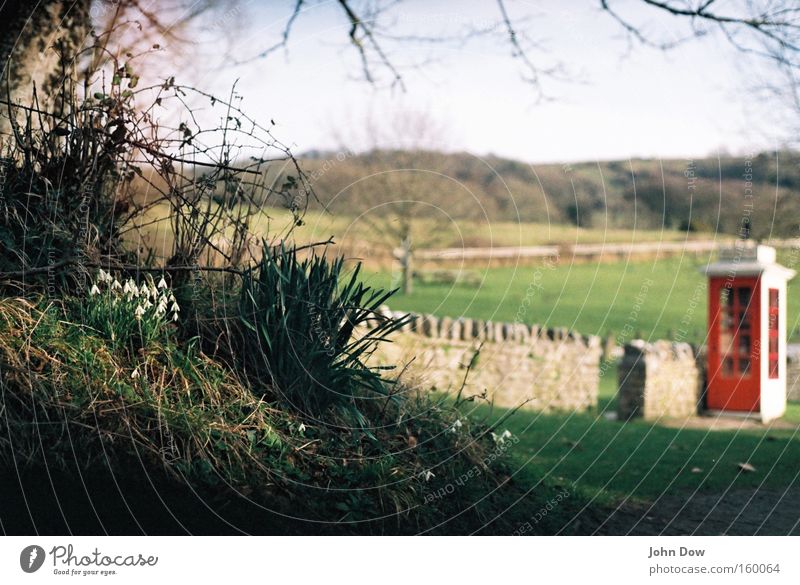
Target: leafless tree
pixel 766 29
pixel 397 199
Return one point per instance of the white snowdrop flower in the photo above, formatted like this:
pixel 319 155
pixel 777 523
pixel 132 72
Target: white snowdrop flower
pixel 427 475
pixel 175 317
pixel 456 425
pixel 302 428
pixel 130 289
pixel 144 291
pixel 139 311
pixel 147 304
pixel 162 283
pixel 94 290
pixel 135 373
pixel 175 308
pixel 502 438
pixel 104 276
pixel 116 285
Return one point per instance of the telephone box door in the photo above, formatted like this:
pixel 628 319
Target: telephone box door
pixel 734 355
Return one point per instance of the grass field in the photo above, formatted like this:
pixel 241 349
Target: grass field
pixel 320 225
pixel 649 299
pixel 366 235
pixel 652 299
pixel 611 460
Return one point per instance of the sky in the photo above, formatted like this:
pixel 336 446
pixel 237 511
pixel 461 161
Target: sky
pixel 616 102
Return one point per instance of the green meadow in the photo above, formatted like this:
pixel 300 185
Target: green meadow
pixel 653 299
pixel 610 460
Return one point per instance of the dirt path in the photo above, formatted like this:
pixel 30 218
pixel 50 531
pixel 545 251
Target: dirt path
pixel 741 512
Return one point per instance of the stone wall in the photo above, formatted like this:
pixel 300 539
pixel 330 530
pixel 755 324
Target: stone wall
pixel 551 369
pixel 660 379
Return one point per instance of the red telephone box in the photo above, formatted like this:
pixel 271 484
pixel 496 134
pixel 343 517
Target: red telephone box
pixel 746 349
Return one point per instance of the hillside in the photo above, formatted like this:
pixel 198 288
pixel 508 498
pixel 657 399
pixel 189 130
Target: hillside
pixel 710 195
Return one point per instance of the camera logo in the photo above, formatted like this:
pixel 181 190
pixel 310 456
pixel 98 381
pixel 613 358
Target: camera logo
pixel 31 558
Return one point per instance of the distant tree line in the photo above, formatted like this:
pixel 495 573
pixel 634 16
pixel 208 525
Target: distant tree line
pixel 700 195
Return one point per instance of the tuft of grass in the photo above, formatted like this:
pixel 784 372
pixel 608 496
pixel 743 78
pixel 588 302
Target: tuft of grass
pixel 308 331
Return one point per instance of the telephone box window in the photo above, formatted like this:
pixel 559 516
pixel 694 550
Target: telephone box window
pixel 774 320
pixel 735 333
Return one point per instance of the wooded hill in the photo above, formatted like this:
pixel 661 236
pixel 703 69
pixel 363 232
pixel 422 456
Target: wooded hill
pixel 710 195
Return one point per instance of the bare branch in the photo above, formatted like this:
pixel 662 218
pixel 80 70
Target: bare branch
pixel 284 41
pixel 776 24
pixel 531 72
pixel 358 24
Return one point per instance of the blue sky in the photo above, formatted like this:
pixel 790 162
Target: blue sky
pixel 692 101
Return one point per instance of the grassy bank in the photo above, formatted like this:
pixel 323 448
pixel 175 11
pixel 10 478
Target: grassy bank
pixel 151 435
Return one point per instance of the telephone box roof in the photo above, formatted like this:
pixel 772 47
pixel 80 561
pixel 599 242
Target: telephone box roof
pixel 746 259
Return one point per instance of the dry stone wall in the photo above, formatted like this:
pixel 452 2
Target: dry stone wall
pixel 546 369
pixel 660 379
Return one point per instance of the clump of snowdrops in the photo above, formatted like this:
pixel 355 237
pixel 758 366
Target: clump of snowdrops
pixel 130 313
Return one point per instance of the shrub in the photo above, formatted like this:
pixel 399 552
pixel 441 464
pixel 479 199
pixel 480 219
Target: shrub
pixel 308 331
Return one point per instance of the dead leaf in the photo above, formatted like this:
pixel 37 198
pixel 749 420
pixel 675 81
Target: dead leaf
pixel 746 467
pixel 696 470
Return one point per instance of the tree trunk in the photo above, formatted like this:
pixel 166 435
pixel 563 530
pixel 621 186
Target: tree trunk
pixel 39 42
pixel 407 266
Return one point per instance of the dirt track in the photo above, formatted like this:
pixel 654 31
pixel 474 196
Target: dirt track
pixel 741 512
